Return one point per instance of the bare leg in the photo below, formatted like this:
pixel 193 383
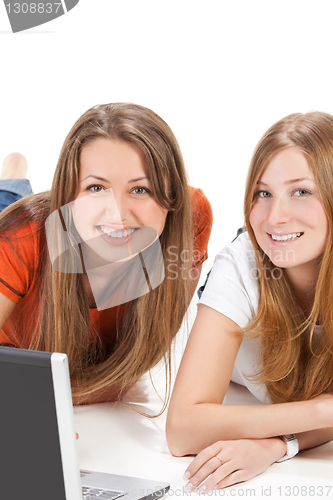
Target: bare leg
pixel 14 166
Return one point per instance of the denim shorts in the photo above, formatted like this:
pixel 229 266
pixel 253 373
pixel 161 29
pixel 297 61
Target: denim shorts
pixel 12 190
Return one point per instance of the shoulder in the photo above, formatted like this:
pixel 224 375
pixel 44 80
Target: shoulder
pixel 19 255
pixel 201 208
pixel 22 238
pixel 202 220
pixel 239 258
pixel 240 252
pixel 232 287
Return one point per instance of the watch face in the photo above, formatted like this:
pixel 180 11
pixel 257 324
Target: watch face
pixel 292 445
pixel 289 437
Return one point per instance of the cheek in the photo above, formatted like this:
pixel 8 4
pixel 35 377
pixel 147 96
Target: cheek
pixel 322 225
pixel 160 218
pixel 152 215
pixel 259 215
pixel 316 217
pixel 254 218
pixel 83 211
pixel 78 218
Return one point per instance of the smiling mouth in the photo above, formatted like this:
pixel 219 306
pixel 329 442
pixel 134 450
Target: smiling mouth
pixel 117 237
pixel 285 237
pixel 123 233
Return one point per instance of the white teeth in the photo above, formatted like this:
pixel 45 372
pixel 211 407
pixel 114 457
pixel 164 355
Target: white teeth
pixel 286 237
pixel 117 234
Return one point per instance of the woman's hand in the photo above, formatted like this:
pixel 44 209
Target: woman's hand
pixel 229 462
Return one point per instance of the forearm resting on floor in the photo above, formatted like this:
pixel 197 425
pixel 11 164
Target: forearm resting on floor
pixel 197 427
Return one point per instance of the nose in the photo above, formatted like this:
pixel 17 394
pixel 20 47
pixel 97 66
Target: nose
pixel 279 212
pixel 116 208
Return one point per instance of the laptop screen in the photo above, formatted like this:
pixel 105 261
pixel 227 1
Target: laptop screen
pixel 30 458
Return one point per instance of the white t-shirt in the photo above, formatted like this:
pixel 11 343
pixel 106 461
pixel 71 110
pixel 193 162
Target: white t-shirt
pixel 232 289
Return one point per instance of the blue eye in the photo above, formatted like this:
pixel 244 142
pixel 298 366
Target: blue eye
pixel 301 192
pixel 261 194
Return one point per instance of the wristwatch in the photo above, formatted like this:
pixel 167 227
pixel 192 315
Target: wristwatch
pixel 292 446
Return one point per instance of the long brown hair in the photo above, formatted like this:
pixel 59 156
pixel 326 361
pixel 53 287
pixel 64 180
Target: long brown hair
pixel 146 330
pixel 295 364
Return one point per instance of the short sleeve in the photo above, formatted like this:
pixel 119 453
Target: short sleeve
pixel 18 259
pixel 232 286
pixel 202 216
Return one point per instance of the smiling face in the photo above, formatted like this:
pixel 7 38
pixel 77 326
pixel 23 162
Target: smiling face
pixel 287 215
pixel 115 212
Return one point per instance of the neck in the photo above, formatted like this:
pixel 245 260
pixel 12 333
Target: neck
pixel 303 281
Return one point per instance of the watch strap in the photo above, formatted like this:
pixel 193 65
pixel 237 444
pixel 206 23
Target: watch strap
pixel 292 446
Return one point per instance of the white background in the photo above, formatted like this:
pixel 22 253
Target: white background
pixel 219 72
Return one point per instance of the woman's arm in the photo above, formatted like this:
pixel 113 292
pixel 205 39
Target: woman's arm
pixel 196 416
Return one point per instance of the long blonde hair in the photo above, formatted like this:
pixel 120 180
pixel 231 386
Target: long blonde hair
pixel 146 330
pixel 295 364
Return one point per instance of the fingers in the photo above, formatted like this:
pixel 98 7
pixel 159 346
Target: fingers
pixel 202 458
pixel 231 479
pixel 227 463
pixel 222 472
pixel 224 476
pixel 210 468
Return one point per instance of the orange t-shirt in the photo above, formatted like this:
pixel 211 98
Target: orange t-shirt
pixel 18 263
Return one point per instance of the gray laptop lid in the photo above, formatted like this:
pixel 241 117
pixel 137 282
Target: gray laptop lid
pixel 37 438
pixel 30 458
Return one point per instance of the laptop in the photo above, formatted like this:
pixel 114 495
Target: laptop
pixel 38 455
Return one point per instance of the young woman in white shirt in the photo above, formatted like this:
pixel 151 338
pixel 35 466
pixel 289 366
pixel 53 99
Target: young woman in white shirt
pixel 265 319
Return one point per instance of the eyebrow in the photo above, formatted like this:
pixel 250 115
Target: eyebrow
pixel 106 180
pixel 292 181
pixel 137 180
